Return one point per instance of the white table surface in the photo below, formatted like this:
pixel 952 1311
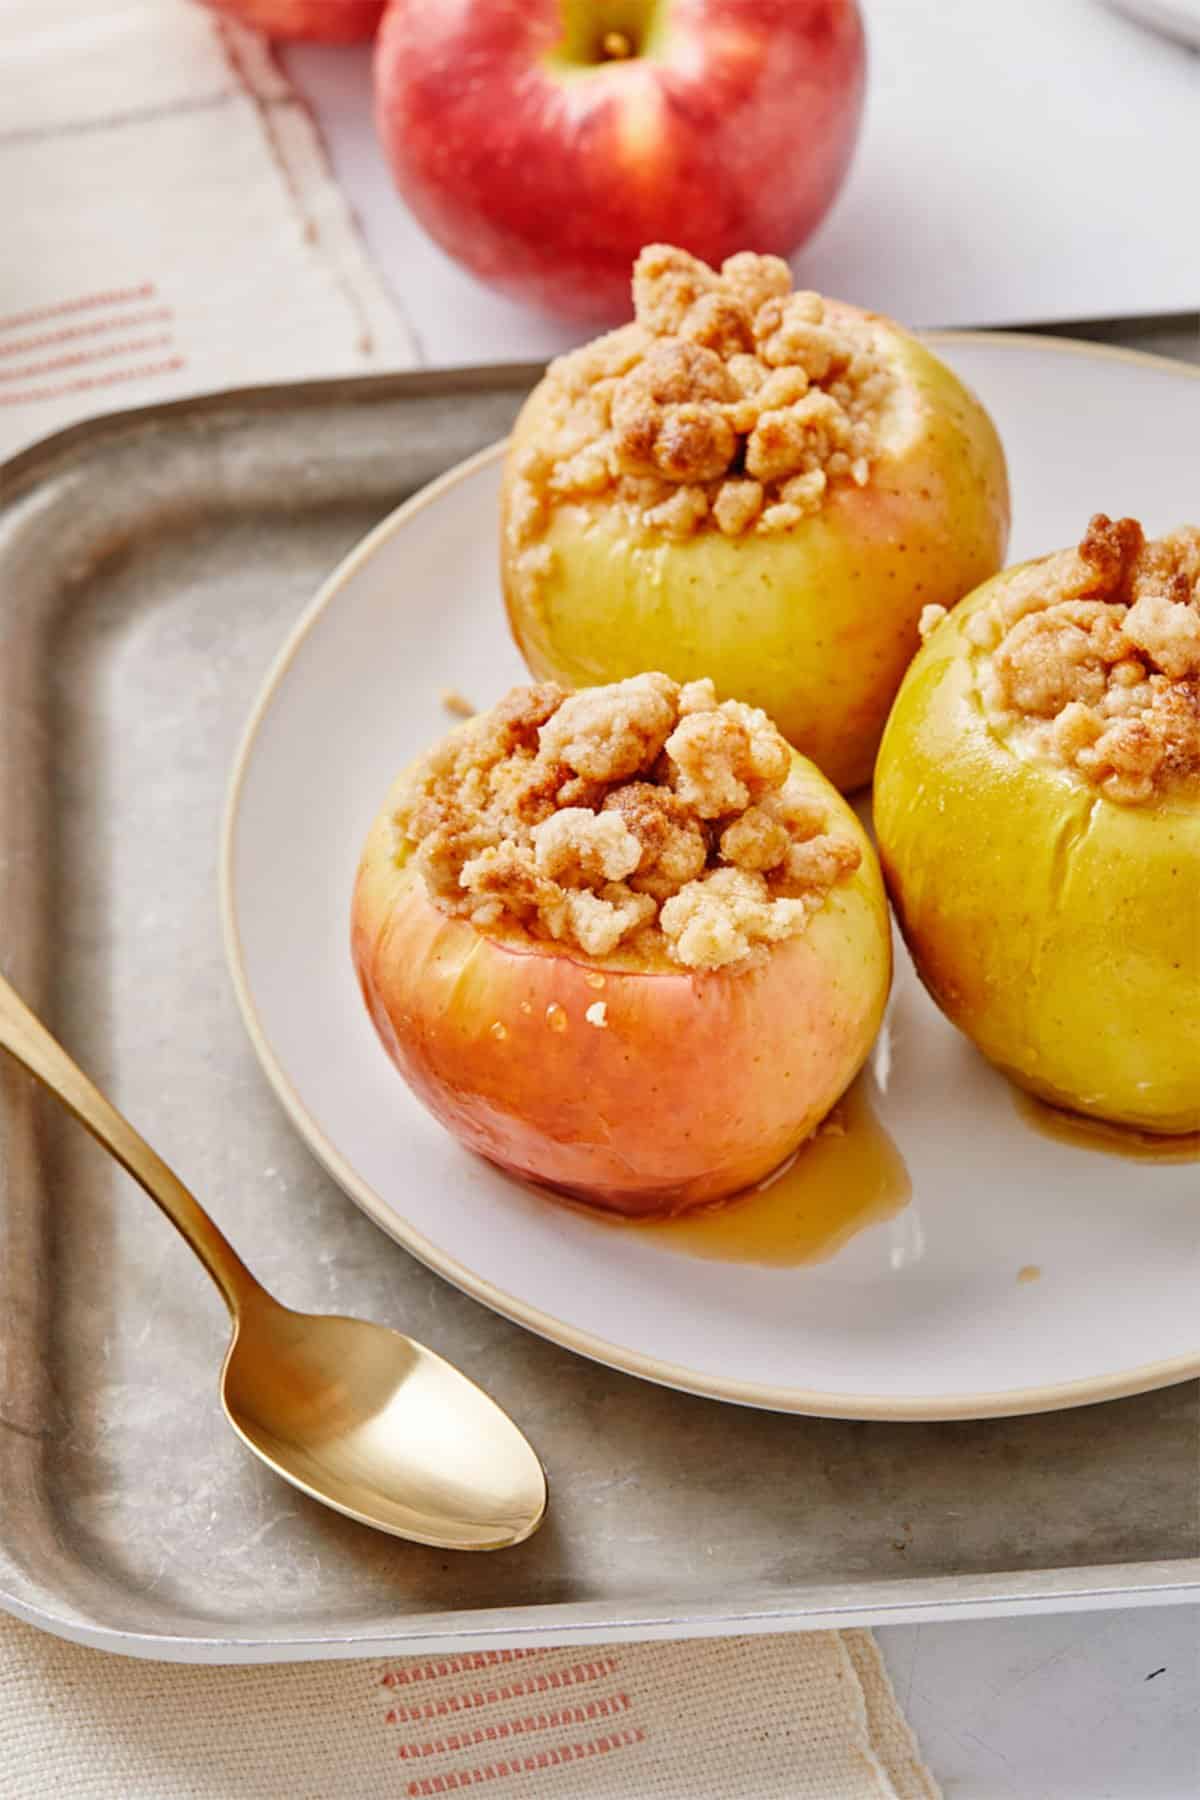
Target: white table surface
pixel 1083 1706
pixel 1021 160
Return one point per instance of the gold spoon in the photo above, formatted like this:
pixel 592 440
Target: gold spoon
pixel 356 1415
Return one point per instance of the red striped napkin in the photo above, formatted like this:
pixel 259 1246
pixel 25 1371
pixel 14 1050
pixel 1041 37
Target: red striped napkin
pixel 171 223
pixel 808 1717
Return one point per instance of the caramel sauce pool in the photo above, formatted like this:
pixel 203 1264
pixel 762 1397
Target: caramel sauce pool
pixel 846 1177
pixel 1096 1134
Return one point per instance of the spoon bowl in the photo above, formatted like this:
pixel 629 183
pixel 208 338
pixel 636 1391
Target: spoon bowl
pixel 380 1428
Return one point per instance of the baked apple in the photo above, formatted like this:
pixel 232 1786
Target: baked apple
pixel 625 942
pixel 1037 804
pixel 761 486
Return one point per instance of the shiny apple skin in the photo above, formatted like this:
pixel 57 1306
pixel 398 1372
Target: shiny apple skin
pixel 698 1085
pixel 307 21
pixel 734 130
pixel 1058 930
pixel 817 624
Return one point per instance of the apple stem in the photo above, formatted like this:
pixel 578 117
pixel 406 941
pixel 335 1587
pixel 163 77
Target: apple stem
pixel 616 46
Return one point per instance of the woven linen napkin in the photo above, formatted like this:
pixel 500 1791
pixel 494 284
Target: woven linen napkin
pixel 806 1717
pixel 171 226
pixel 170 221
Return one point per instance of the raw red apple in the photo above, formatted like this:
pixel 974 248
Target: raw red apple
pixel 317 21
pixel 543 144
pixel 683 1087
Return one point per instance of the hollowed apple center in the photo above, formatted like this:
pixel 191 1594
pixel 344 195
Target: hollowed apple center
pixel 611 31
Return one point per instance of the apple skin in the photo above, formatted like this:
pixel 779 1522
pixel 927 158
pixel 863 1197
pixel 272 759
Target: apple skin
pixel 698 1085
pixel 816 624
pixel 310 21
pixel 544 172
pixel 1051 925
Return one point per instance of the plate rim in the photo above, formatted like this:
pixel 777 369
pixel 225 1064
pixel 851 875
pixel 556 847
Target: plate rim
pixel 808 1402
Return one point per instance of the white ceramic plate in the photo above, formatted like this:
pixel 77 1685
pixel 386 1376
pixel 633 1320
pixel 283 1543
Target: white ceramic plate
pixel 919 1317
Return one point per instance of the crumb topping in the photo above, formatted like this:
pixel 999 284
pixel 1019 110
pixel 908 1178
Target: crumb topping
pixel 641 814
pixel 1095 658
pixel 730 403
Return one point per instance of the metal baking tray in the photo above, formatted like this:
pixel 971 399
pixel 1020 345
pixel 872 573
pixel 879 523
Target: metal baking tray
pixel 149 566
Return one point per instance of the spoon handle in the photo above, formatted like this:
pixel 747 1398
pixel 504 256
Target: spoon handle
pixel 26 1038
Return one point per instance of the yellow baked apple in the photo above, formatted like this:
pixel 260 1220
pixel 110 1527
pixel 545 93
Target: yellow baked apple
pixel 756 485
pixel 1037 805
pixel 625 943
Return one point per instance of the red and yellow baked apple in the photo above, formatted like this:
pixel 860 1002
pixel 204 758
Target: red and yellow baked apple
pixel 751 484
pixel 624 943
pixel 543 143
pixel 1037 804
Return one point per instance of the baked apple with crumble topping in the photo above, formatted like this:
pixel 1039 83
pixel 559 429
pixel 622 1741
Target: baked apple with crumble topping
pixel 624 942
pixel 756 485
pixel 1037 804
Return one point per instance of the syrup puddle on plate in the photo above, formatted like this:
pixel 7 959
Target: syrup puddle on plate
pixel 1097 1135
pixel 848 1176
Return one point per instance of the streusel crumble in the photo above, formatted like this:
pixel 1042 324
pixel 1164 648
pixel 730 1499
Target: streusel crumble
pixel 1094 658
pixel 731 403
pixel 642 814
